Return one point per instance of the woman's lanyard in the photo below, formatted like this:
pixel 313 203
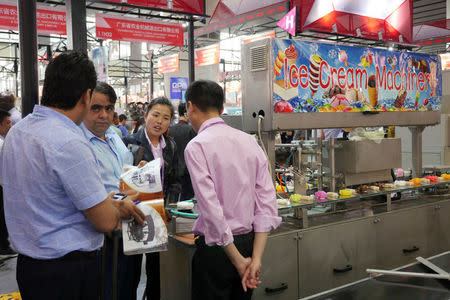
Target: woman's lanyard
pixel 116 173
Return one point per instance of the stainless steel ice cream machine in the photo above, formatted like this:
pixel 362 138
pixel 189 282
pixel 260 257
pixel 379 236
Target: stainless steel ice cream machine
pixel 321 244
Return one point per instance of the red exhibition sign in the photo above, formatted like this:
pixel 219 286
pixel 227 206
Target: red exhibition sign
pixel 169 64
pixel 187 6
pixel 207 55
pixel 50 20
pixel 138 30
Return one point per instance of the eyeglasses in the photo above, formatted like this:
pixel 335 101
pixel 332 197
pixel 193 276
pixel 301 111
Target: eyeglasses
pixel 98 108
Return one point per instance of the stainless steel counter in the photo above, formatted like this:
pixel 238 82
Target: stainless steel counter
pixel 395 288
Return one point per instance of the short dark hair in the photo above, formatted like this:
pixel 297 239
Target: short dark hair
pixel 6 101
pixel 106 89
pixel 182 109
pixel 3 115
pixel 161 101
pixel 122 117
pixel 67 77
pixel 206 95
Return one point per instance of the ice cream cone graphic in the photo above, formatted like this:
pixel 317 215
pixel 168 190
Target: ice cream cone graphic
pixel 279 62
pixel 314 67
pixel 291 55
pixel 373 91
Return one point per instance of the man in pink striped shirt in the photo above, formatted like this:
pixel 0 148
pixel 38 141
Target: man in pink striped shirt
pixel 235 198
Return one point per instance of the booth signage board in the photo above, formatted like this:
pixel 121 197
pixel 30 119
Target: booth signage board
pixel 255 37
pixel 169 64
pixel 318 77
pixel 289 21
pixel 50 20
pixel 138 30
pixel 445 60
pixel 209 55
pixel 99 57
pixel 187 6
pixel 177 85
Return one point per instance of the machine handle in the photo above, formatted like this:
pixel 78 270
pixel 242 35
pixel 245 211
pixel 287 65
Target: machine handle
pixel 282 287
pixel 343 270
pixel 411 250
pixel 370 112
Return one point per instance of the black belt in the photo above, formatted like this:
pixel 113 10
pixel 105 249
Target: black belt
pixel 71 256
pixel 200 239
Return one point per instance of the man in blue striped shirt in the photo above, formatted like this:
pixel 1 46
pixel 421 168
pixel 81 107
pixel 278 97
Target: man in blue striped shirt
pixel 55 203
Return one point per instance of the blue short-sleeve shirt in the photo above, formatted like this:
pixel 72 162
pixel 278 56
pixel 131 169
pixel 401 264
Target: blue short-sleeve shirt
pixel 111 155
pixel 50 176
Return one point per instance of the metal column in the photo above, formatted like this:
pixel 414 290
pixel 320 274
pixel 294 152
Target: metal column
pixel 191 51
pixel 16 69
pixel 28 55
pixel 76 25
pixel 152 80
pixel 416 133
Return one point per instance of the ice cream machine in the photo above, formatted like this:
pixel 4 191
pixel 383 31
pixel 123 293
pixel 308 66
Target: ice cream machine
pixel 295 84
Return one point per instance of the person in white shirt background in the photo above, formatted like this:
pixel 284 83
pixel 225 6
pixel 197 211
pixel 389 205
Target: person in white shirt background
pixel 7 103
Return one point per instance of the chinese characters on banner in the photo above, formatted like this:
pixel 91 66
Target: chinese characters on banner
pixel 169 64
pixel 207 55
pixel 189 6
pixel 50 20
pixel 138 30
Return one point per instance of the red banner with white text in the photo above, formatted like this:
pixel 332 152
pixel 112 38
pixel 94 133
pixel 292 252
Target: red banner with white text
pixel 50 20
pixel 207 55
pixel 169 64
pixel 186 6
pixel 138 30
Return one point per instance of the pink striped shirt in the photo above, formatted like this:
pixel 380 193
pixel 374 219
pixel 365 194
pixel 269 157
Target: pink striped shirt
pixel 233 187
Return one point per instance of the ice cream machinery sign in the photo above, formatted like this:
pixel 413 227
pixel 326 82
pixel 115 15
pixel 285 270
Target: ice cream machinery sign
pixel 314 77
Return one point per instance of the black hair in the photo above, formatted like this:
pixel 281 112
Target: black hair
pixel 6 102
pixel 115 115
pixel 206 95
pixel 122 117
pixel 161 101
pixel 106 89
pixel 182 109
pixel 67 77
pixel 3 115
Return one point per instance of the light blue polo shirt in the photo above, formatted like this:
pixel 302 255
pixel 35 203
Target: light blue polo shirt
pixel 111 155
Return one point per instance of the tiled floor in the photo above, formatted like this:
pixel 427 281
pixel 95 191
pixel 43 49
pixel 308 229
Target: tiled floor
pixel 8 283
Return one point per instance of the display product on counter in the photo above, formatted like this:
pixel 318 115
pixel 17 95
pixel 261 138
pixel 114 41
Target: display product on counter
pixel 332 196
pixel 374 188
pixel 362 188
pixel 399 183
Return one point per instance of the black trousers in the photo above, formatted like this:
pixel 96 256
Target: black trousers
pixel 128 272
pixel 213 275
pixel 69 277
pixel 153 287
pixel 4 243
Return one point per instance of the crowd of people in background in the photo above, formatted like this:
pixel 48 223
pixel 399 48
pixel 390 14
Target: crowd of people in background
pixel 61 166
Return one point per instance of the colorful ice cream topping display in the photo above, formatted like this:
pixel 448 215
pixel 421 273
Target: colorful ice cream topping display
pixel 314 77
